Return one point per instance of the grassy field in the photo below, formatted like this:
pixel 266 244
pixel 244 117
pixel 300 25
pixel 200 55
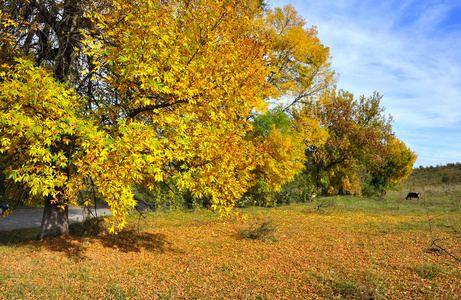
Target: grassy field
pixel 439 186
pixel 337 248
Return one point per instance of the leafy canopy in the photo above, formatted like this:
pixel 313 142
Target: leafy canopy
pixel 169 94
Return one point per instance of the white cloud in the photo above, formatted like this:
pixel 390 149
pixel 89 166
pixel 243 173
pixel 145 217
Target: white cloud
pixel 408 51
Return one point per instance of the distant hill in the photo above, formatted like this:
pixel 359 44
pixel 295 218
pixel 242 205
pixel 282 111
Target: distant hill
pixel 440 185
pixel 447 174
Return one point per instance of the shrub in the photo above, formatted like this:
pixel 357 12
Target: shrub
pixel 263 231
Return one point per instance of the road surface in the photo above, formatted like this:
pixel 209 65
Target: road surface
pixel 32 218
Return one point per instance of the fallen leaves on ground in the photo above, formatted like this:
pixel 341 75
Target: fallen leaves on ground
pixel 198 255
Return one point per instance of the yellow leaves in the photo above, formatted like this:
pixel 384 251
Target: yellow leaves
pixel 183 66
pixel 300 66
pixel 5 144
pixel 36 114
pixel 170 61
pixel 400 160
pixel 117 5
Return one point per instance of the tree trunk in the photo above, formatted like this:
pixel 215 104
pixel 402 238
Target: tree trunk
pixel 55 221
pixel 318 182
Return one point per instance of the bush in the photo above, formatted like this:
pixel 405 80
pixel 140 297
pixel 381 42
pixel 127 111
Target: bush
pixel 300 189
pixel 263 231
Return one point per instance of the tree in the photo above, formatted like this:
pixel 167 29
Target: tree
pixel 395 165
pixel 299 68
pixel 282 155
pixel 357 134
pixel 39 125
pixel 139 92
pixel 48 33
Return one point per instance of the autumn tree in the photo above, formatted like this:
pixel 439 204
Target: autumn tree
pixel 281 158
pixel 120 92
pixel 300 71
pixel 344 138
pixel 47 33
pixel 42 128
pixel 394 166
pixel 360 141
pixel 196 110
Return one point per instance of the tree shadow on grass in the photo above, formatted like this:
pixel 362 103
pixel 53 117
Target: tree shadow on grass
pixel 139 241
pixel 76 247
pixel 13 237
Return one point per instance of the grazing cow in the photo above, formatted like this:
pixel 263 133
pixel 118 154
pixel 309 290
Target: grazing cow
pixel 413 195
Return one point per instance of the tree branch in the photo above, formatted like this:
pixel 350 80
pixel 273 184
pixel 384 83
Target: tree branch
pixel 434 241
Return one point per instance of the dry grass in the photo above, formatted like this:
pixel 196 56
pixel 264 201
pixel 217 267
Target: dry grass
pixel 344 254
pixel 440 187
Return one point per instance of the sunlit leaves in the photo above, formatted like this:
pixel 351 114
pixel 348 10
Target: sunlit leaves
pixel 36 114
pixel 280 148
pixel 300 64
pixel 359 141
pixel 184 76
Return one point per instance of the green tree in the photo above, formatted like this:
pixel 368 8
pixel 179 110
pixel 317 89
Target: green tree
pixel 281 158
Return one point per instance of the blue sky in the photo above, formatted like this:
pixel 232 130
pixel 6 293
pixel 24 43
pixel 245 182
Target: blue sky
pixel 409 52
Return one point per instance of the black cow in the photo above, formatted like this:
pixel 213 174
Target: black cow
pixel 413 195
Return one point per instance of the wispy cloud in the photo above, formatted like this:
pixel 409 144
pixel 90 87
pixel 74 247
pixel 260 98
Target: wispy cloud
pixel 408 51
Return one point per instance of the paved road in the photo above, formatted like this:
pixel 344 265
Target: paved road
pixel 32 218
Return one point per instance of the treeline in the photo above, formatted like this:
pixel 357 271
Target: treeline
pixel 119 99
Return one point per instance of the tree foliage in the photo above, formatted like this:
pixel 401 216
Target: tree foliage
pixel 393 168
pixel 184 78
pixel 282 157
pixel 360 143
pixel 300 65
pixel 140 93
pixel 299 68
pixel 127 96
